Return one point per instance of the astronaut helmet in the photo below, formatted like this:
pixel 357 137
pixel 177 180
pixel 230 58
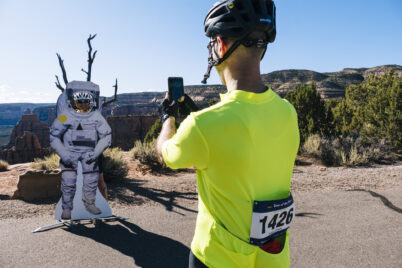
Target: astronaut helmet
pixel 83 96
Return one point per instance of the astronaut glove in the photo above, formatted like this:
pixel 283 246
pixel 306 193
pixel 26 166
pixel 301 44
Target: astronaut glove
pixel 168 108
pixel 67 161
pixel 91 158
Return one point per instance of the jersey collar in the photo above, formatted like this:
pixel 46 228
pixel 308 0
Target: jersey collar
pixel 249 97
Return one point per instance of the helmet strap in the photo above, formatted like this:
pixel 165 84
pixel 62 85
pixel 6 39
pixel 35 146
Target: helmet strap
pixel 212 62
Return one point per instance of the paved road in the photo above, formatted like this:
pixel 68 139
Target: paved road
pixel 335 229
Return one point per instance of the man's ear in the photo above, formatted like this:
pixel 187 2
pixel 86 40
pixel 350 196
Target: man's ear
pixel 222 46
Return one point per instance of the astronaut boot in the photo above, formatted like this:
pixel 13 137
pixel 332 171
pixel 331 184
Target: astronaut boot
pixel 66 214
pixel 91 208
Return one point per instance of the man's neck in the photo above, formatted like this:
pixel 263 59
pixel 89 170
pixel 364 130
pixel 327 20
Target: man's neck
pixel 246 79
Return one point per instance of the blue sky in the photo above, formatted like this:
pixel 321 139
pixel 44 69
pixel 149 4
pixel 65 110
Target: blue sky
pixel 144 42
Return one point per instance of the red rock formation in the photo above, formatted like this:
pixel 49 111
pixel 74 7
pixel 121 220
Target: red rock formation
pixel 31 123
pixel 135 109
pixel 34 185
pixel 26 149
pixel 127 129
pixel 29 140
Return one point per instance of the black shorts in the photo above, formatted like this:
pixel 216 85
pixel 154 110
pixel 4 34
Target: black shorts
pixel 193 262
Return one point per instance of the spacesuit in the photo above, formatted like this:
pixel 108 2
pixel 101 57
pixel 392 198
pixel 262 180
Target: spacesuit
pixel 79 135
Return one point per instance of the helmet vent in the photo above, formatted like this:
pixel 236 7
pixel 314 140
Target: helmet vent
pixel 227 19
pixel 219 12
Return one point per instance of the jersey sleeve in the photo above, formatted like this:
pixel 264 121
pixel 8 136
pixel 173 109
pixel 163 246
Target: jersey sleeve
pixel 187 147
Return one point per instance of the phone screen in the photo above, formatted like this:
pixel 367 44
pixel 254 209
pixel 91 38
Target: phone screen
pixel 176 88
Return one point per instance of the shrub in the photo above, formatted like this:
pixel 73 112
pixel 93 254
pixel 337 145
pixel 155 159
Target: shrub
pixel 313 116
pixel 51 162
pixel 3 166
pixel 321 148
pixel 114 165
pixel 352 150
pixel 146 154
pixel 153 133
pixel 373 109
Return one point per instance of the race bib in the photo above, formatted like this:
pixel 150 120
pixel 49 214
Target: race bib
pixel 270 219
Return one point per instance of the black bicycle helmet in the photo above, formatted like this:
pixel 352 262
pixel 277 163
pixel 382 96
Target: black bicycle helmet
pixel 236 19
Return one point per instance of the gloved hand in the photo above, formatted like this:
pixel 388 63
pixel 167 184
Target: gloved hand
pixel 91 158
pixel 67 160
pixel 187 106
pixel 168 108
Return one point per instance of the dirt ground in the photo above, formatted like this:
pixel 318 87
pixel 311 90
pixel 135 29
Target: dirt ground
pixel 339 211
pixel 179 188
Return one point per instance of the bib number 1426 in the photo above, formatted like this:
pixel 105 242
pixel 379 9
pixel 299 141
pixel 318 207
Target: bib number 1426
pixel 271 219
pixel 276 221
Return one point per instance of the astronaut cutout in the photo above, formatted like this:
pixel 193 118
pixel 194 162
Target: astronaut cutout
pixel 80 134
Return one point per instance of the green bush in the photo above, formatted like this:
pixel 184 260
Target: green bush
pixel 349 151
pixel 146 154
pixel 313 116
pixel 51 162
pixel 3 166
pixel 114 164
pixel 153 133
pixel 373 109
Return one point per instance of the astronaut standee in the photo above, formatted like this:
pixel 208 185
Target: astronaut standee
pixel 80 134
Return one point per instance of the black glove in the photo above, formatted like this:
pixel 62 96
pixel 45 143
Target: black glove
pixel 168 108
pixel 91 158
pixel 187 106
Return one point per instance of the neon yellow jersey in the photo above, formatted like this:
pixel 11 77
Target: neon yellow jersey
pixel 244 149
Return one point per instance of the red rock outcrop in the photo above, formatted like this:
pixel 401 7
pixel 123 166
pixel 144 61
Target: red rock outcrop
pixel 127 129
pixel 29 140
pixel 27 148
pixel 34 185
pixel 31 123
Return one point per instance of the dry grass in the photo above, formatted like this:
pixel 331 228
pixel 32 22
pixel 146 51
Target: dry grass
pixel 146 154
pixel 114 164
pixel 3 166
pixel 349 151
pixel 51 162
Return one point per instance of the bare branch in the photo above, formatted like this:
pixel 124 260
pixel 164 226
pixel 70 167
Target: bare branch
pixel 63 70
pixel 84 71
pixel 58 84
pixel 91 57
pixel 105 103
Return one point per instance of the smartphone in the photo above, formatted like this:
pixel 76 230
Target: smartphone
pixel 176 88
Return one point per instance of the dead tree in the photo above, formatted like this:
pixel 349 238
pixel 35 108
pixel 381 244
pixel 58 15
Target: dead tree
pixel 91 57
pixel 105 103
pixel 61 63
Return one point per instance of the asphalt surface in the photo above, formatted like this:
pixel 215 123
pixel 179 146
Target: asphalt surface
pixel 331 229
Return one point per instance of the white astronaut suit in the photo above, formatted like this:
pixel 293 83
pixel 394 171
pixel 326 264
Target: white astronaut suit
pixel 79 137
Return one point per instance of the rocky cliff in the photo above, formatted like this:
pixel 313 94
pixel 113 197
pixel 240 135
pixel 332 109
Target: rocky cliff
pixel 27 148
pixel 127 129
pixel 29 139
pixel 30 123
pixel 330 85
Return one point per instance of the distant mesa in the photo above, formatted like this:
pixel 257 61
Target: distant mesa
pixel 329 85
pixel 133 114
